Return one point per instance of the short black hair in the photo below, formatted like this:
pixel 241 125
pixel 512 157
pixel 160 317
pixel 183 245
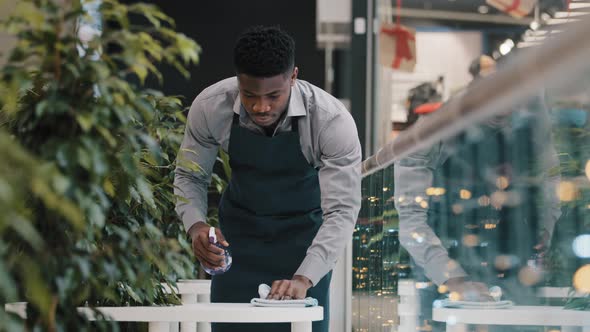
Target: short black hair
pixel 264 52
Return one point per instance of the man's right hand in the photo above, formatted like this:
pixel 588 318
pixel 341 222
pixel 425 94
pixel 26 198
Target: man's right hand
pixel 463 290
pixel 209 255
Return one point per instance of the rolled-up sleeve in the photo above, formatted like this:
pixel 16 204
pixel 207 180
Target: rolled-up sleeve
pixel 412 176
pixel 195 160
pixel 340 185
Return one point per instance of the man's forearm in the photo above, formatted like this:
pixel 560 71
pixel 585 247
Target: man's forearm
pixel 192 202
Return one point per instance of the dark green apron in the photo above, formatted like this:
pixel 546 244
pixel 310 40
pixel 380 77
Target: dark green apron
pixel 269 214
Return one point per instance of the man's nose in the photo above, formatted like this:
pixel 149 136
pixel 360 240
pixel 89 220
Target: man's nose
pixel 261 106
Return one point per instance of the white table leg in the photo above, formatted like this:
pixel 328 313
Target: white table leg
pixel 203 326
pixel 159 327
pixel 188 326
pixel 300 326
pixel 457 327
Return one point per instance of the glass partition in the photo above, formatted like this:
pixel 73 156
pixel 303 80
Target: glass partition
pixel 376 256
pixel 509 201
pixel 505 203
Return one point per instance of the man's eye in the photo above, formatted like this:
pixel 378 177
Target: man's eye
pixel 273 97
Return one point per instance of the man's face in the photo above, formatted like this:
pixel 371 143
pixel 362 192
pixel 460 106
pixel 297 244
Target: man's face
pixel 265 99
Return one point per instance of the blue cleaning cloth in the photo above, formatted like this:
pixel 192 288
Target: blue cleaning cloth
pixel 264 290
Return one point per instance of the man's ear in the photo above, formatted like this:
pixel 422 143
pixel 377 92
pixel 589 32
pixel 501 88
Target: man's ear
pixel 294 76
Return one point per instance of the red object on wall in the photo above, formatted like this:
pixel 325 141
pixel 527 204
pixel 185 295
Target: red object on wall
pixel 402 37
pixel 515 8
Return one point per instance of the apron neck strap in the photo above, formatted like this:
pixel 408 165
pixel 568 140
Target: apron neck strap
pixel 236 120
pixel 295 124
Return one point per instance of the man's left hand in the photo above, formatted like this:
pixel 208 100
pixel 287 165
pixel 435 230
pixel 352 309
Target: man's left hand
pixel 294 289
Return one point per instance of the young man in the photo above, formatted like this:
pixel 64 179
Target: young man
pixel 295 190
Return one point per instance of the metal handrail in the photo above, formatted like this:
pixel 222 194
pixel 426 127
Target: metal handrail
pixel 556 61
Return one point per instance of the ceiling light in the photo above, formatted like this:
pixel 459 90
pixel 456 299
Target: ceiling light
pixel 506 46
pixel 534 25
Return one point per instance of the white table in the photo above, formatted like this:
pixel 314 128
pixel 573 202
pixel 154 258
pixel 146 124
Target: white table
pixel 557 292
pixel 159 317
pixel 458 319
pixel 195 295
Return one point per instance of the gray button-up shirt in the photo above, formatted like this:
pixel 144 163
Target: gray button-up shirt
pixel 329 142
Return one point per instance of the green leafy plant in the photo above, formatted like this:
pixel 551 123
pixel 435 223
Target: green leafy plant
pixel 23 177
pixel 102 227
pixel 577 303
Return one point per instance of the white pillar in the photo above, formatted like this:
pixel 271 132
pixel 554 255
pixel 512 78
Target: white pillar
pixel 203 326
pixel 457 327
pixel 188 326
pixel 159 327
pixel 301 326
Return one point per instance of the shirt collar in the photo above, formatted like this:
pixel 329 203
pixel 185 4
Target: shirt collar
pixel 296 105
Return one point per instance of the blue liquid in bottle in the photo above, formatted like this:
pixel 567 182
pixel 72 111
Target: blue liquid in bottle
pixel 227 255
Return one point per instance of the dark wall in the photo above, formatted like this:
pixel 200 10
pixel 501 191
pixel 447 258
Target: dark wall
pixel 216 24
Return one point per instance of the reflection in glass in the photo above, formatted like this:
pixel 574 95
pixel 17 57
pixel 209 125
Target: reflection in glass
pixel 506 203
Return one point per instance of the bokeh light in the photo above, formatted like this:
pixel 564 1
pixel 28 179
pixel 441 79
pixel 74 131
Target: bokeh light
pixel 506 262
pixel 465 194
pixel 470 240
pixel 457 208
pixel 567 191
pixel 484 200
pixel 582 279
pixel 435 191
pixel 529 276
pixel 581 246
pixel 455 296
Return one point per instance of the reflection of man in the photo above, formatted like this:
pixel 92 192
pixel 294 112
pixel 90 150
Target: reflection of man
pixel 489 182
pixel 294 194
